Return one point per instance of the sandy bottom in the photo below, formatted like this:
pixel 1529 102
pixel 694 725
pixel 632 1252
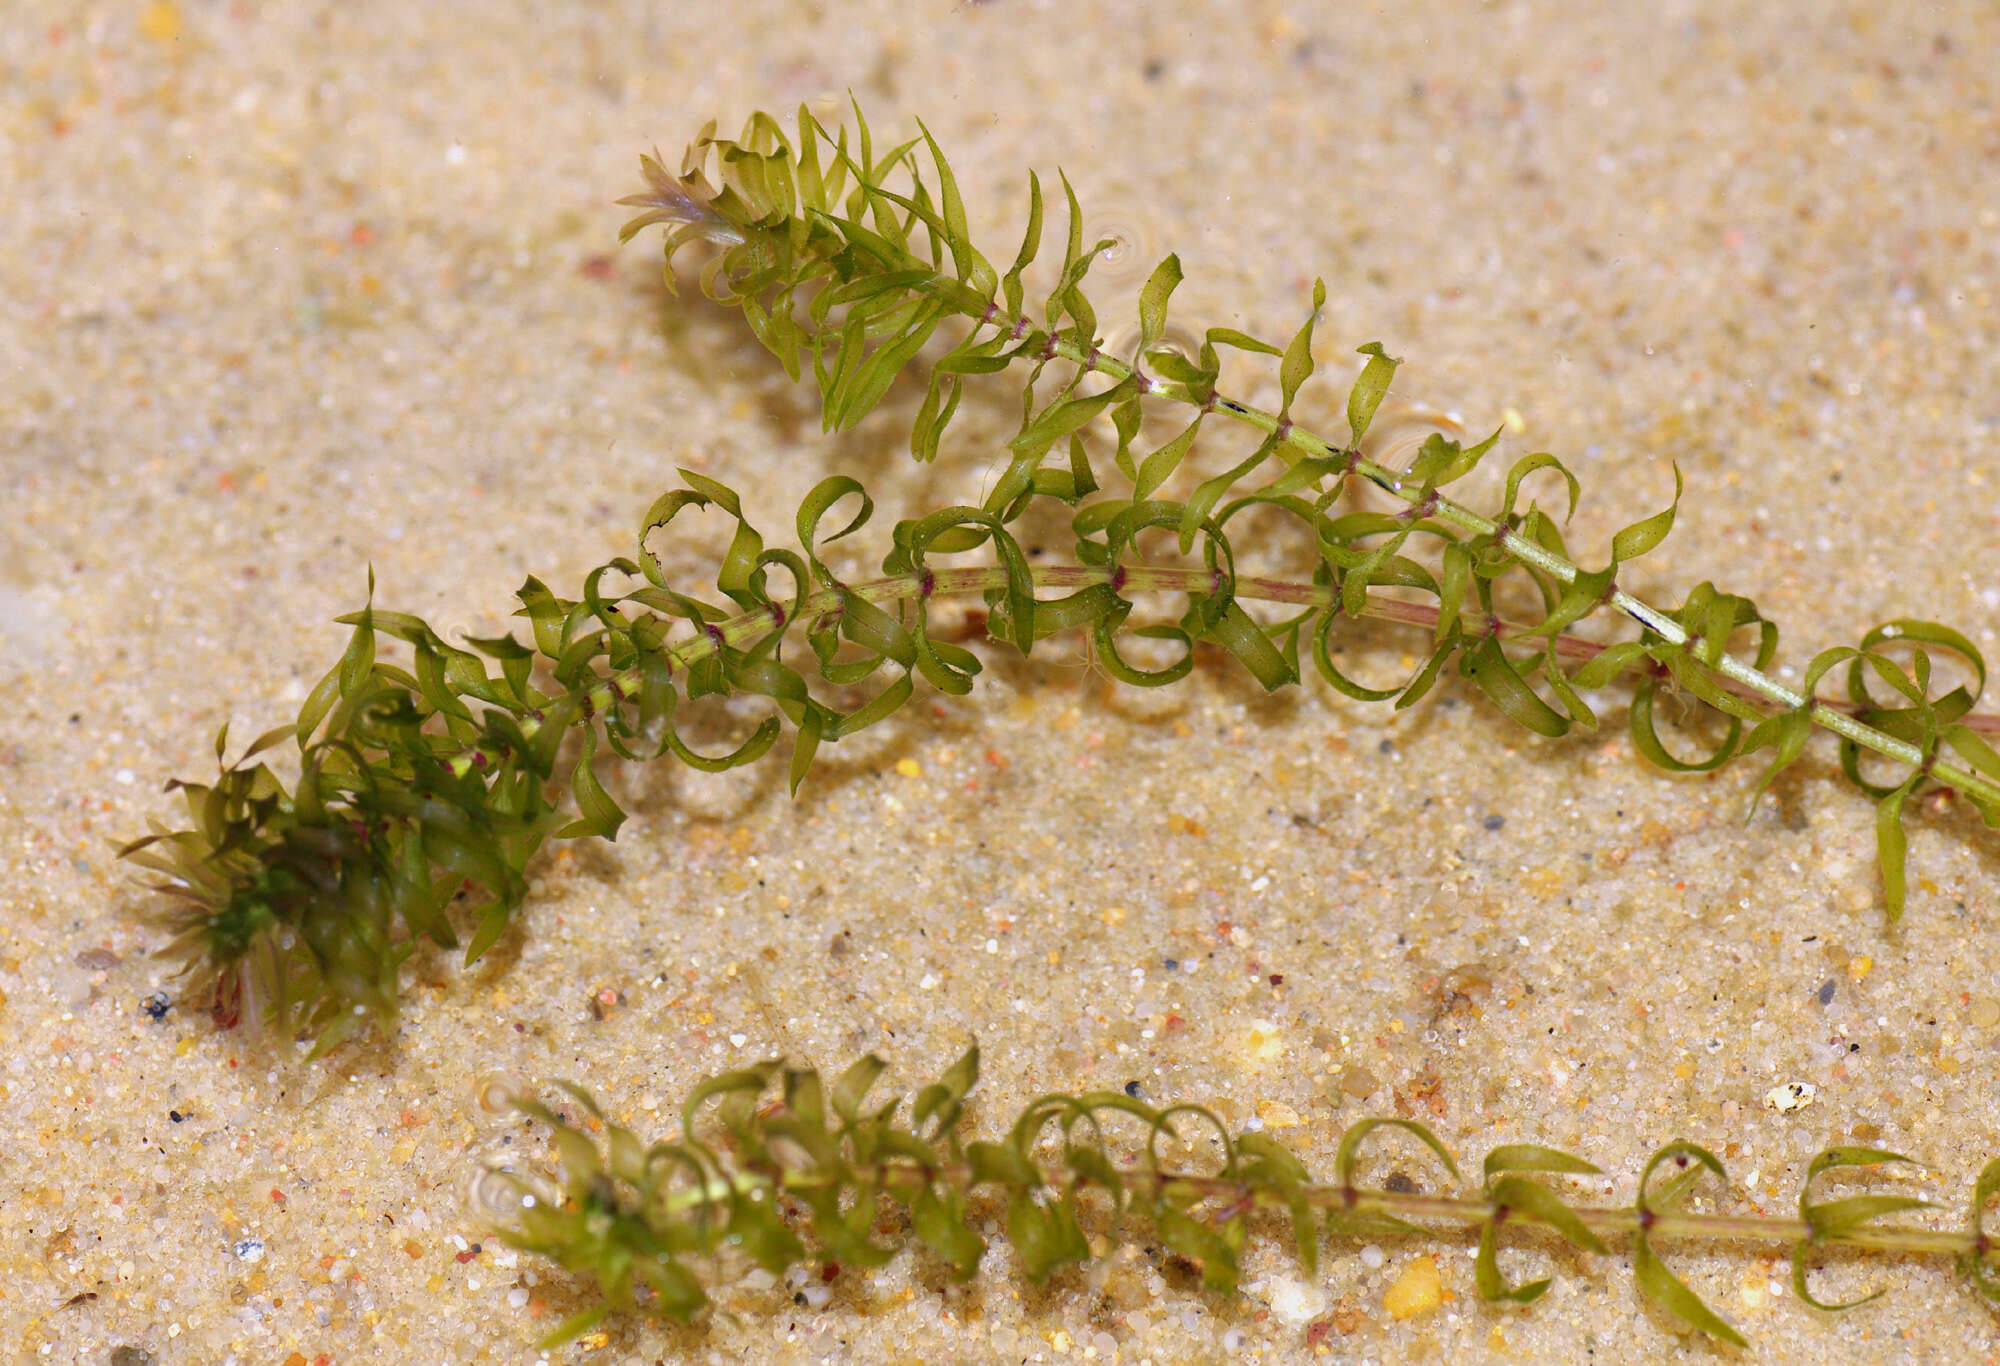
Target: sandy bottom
pixel 303 292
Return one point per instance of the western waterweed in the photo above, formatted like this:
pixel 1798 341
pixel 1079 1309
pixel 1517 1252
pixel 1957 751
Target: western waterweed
pixel 773 1168
pixel 426 787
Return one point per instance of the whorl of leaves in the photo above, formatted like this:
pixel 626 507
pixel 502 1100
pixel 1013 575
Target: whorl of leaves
pixel 774 1168
pixel 425 787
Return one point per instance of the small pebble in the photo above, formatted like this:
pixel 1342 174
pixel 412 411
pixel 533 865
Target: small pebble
pixel 1417 1291
pixel 1294 1301
pixel 1278 1115
pixel 1358 1083
pixel 1793 1095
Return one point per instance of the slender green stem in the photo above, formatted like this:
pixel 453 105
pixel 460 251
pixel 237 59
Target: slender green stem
pixel 1295 442
pixel 748 628
pixel 789 1180
pixel 1466 1211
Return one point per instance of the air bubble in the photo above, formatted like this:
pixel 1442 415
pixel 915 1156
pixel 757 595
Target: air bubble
pixel 1402 426
pixel 495 1093
pixel 1124 264
pixel 1122 339
pixel 496 1194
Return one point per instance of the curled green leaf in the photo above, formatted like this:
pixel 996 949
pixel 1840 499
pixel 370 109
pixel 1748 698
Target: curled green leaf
pixel 1640 537
pixel 1349 1153
pixel 1369 390
pixel 1504 683
pixel 1832 1220
pixel 1153 302
pixel 1660 1284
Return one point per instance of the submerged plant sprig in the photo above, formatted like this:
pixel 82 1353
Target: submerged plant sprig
pixel 853 262
pixel 775 1167
pixel 415 816
pixel 424 789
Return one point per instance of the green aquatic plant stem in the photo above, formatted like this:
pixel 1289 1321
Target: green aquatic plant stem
pixel 1292 443
pixel 1292 438
pixel 854 262
pixel 748 628
pixel 1468 1211
pixel 809 1173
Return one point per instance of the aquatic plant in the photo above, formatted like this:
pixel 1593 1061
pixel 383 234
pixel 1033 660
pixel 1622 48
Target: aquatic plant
pixel 774 1168
pixel 425 788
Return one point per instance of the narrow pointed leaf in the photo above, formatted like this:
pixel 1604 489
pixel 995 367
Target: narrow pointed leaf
pixel 1297 366
pixel 1368 391
pixel 1668 1291
pixel 1640 537
pixel 1153 302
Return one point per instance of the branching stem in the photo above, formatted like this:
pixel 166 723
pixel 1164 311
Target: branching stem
pixel 1294 442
